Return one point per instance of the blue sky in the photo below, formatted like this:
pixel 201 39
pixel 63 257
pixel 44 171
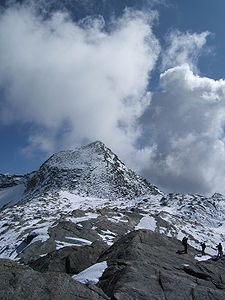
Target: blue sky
pixel 199 16
pixel 46 64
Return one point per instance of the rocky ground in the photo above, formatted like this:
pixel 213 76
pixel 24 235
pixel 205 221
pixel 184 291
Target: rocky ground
pixel 140 265
pixel 146 265
pixel 21 282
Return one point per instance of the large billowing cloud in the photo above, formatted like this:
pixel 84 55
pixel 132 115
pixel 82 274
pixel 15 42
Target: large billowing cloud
pixel 76 82
pixel 184 130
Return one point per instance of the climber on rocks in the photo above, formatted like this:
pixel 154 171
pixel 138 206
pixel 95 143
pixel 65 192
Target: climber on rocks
pixel 220 250
pixel 185 243
pixel 203 245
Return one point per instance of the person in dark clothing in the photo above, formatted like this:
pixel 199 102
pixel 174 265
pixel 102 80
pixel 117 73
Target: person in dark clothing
pixel 185 244
pixel 220 250
pixel 203 245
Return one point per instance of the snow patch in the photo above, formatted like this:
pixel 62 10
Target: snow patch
pixel 87 217
pixel 108 236
pixel 202 257
pixel 147 222
pixel 79 241
pixel 92 274
pixel 42 234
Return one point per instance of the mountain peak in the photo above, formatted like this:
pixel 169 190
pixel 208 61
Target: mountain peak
pixel 96 144
pixel 88 156
pixel 90 170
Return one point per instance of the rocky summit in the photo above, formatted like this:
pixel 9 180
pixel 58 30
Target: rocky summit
pixel 92 170
pixel 84 226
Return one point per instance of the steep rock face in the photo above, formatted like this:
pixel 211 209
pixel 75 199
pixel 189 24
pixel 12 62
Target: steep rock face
pixel 145 265
pixel 21 282
pixel 92 170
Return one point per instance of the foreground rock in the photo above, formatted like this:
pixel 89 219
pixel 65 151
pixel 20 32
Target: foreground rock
pixel 145 265
pixel 71 260
pixel 21 282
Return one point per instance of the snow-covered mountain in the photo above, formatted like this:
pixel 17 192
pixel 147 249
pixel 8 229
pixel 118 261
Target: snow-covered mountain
pixel 88 178
pixel 85 196
pixel 92 170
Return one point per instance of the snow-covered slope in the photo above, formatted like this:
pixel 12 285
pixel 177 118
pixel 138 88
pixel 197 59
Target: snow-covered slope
pixel 92 170
pixel 202 219
pixel 11 190
pixel 11 195
pixel 88 194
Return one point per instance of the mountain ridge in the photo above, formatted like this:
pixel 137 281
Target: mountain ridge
pixel 93 170
pixel 87 197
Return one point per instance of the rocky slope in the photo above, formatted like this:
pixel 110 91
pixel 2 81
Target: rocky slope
pixel 92 170
pixel 21 282
pixel 72 187
pixel 63 218
pixel 145 265
pixel 141 265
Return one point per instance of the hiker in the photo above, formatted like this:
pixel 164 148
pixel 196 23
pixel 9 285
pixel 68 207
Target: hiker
pixel 220 250
pixel 185 244
pixel 203 245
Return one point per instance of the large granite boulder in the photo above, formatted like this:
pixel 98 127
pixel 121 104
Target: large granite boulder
pixel 21 282
pixel 71 260
pixel 146 265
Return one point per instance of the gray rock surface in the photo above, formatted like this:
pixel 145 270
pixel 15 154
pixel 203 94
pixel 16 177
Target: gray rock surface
pixel 59 232
pixel 71 260
pixel 21 282
pixel 91 230
pixel 145 265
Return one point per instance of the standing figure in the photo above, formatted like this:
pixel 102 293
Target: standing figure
pixel 203 245
pixel 220 250
pixel 185 244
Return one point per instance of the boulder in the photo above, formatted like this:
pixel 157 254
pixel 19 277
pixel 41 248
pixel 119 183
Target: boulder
pixel 71 260
pixel 21 282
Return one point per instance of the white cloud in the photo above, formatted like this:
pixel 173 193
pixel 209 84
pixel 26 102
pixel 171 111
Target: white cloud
pixel 185 123
pixel 55 72
pixel 183 48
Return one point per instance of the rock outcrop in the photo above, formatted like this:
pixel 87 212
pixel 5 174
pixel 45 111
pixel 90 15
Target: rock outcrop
pixel 21 282
pixel 146 265
pixel 71 260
